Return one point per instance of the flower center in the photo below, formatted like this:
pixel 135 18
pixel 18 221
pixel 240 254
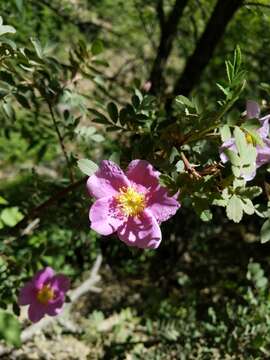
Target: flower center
pixel 249 139
pixel 45 294
pixel 130 201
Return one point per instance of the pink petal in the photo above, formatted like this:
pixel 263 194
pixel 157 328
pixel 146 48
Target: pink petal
pixel 264 130
pixel 143 173
pixel 27 294
pixel 161 205
pixel 250 176
pixel 228 144
pixel 55 307
pixel 42 277
pixel 105 217
pixel 142 232
pixel 61 283
pixel 107 180
pixel 36 312
pixel 253 109
pixel 263 153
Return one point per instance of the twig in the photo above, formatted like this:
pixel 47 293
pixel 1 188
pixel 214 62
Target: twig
pixel 87 286
pixel 61 141
pixel 190 169
pixel 39 209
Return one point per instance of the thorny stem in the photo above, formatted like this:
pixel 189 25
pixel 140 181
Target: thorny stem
pixel 61 141
pixel 190 169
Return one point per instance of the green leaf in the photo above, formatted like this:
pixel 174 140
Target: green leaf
pixel 173 154
pixel 180 166
pixel 37 47
pixel 135 101
pixel 226 91
pixel 248 206
pixel 225 132
pixel 233 117
pixel 3 201
pixel 97 138
pixel 9 111
pixel 184 101
pixel 265 231
pixel 5 29
pixel 11 216
pixel 138 94
pixel 87 166
pixel 251 124
pixel 19 5
pixel 240 141
pixel 101 121
pixel 206 215
pixel 237 61
pixel 99 115
pixel 115 157
pixel 10 329
pixel 7 77
pixel 97 47
pixel 234 209
pixel 22 100
pixel 250 192
pixel 113 111
pixel 233 157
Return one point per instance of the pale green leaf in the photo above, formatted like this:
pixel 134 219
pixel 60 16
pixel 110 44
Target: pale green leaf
pixel 225 132
pixel 234 209
pixel 11 216
pixel 5 29
pixel 10 329
pixel 115 157
pixel 248 206
pixel 87 166
pixel 265 231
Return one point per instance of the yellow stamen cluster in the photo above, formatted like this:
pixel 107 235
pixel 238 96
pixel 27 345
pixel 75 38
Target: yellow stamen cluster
pixel 131 202
pixel 249 139
pixel 45 294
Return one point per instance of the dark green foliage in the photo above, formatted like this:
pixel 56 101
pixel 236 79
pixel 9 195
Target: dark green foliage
pixel 73 88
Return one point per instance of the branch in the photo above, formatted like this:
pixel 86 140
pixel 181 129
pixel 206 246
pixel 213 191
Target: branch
pixel 160 14
pixel 214 30
pixel 167 35
pixel 87 286
pixel 61 141
pixel 40 208
pixel 190 169
pixel 256 4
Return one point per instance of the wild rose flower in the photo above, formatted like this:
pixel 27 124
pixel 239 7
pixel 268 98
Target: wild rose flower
pixel 263 152
pixel 45 294
pixel 133 204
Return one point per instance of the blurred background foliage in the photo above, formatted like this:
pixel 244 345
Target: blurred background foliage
pixel 204 294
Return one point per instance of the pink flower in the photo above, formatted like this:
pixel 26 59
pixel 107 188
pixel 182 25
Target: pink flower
pixel 133 204
pixel 45 294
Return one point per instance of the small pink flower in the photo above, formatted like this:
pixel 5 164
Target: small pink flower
pixel 45 294
pixel 147 86
pixel 133 204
